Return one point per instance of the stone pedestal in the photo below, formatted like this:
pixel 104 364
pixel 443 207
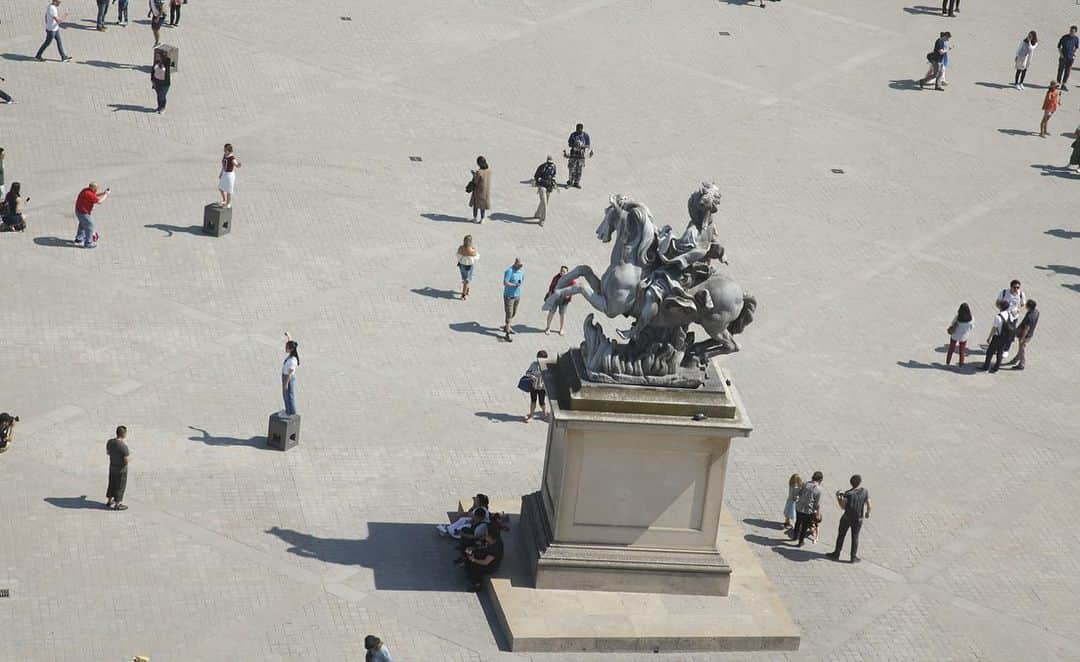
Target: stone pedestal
pixel 173 54
pixel 284 432
pixel 626 546
pixel 217 219
pixel 633 485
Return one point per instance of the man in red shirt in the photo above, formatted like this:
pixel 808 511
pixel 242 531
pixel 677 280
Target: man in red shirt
pixel 84 207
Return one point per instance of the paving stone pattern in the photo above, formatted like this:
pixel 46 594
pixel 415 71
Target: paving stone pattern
pixel 232 551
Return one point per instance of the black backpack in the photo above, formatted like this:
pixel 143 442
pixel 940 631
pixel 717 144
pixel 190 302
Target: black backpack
pixel 1008 329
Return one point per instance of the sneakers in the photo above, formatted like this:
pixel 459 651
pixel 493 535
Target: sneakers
pixel 1019 86
pixel 443 529
pixel 66 58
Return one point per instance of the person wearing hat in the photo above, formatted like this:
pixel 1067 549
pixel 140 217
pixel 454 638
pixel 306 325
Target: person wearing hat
pixel 544 178
pixel 376 650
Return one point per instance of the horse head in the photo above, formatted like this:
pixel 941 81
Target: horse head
pixel 632 222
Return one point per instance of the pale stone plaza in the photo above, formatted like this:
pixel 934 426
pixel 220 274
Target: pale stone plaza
pixel 859 211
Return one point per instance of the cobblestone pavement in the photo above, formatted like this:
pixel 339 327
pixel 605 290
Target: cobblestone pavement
pixel 234 552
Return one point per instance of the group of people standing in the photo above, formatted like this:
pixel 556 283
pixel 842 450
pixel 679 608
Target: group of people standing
pixel 579 148
pixel 802 511
pixel 1016 318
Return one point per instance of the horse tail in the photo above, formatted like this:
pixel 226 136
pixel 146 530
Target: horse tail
pixel 746 315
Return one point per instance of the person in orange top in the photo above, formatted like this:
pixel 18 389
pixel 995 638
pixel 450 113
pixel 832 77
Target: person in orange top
pixel 1050 104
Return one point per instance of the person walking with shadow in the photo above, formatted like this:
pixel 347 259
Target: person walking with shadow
pixel 1067 46
pixel 1024 332
pixel 1049 107
pixel 119 458
pixel 467 257
pixel 808 507
pixel 513 278
pixel 157 17
pixel 1001 336
pixel 161 79
pixel 544 178
pixel 174 13
pixel 53 19
pixel 936 58
pixel 479 190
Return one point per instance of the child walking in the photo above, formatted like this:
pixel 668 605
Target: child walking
pixel 794 484
pixel 1050 106
pixel 959 330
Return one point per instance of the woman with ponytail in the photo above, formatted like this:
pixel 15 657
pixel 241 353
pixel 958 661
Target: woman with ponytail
pixel 288 375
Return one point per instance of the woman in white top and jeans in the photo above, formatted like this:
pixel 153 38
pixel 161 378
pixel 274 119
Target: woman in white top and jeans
pixel 467 257
pixel 288 375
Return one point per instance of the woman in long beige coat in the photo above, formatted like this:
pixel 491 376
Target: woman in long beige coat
pixel 480 190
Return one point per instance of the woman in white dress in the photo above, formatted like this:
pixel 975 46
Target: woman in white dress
pixel 1023 58
pixel 227 176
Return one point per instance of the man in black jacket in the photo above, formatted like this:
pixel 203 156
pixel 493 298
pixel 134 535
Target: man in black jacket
pixel 544 178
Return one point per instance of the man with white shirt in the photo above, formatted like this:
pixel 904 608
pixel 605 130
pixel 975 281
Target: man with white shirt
pixel 1014 296
pixel 52 31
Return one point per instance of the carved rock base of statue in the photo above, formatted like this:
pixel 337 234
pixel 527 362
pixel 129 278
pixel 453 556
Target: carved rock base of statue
pixel 626 545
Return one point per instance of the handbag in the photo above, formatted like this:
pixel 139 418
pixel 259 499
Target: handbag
pixel 525 383
pixel 951 328
pixel 471 186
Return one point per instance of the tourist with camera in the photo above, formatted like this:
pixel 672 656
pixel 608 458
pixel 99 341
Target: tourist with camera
pixel 856 506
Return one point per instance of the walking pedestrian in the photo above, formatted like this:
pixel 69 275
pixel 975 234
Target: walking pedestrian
pixel 84 208
pixel 579 147
pixel 288 374
pixel 227 176
pixel 119 458
pixel 53 19
pixel 544 178
pixel 102 11
pixel 1074 158
pixel 1049 107
pixel 121 12
pixel 794 484
pixel 157 17
pixel 1023 58
pixel 959 330
pixel 479 190
pixel 161 79
pixel 513 278
pixel 949 5
pixel 467 257
pixel 856 506
pixel 6 98
pixel 174 12
pixel 14 216
pixel 808 507
pixel 1024 332
pixel 1067 46
pixel 936 58
pixel 561 304
pixel 1001 337
pixel 376 650
pixel 537 390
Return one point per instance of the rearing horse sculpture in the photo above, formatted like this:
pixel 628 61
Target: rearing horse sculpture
pixel 660 281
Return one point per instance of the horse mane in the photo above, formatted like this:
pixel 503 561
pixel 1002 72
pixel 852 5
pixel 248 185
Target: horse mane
pixel 646 229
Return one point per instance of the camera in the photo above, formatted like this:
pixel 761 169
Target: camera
pixel 839 493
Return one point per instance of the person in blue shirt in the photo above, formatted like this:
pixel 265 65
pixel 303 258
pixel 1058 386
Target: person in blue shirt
pixel 1067 46
pixel 513 277
pixel 579 147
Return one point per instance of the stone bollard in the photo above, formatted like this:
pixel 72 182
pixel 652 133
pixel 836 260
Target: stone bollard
pixel 217 219
pixel 284 432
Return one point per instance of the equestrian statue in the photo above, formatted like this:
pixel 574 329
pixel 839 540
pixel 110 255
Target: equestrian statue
pixel 664 282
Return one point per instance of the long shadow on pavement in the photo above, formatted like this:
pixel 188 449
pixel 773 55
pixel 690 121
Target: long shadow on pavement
pixel 170 230
pixel 75 503
pixel 967 369
pixel 213 440
pixel 476 327
pixel 403 556
pixel 55 242
pixel 18 57
pixel 1056 171
pixel 1063 234
pixel 117 65
pixel 1018 132
pixel 905 84
pixel 511 218
pixel 1063 269
pixel 923 9
pixel 764 524
pixel 498 417
pixel 131 108
pixel 435 294
pixel 446 218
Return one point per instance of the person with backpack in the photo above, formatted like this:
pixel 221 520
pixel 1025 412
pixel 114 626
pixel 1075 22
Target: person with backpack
pixel 936 58
pixel 808 507
pixel 1001 336
pixel 544 178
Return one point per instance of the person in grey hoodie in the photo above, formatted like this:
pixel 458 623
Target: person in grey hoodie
pixel 808 506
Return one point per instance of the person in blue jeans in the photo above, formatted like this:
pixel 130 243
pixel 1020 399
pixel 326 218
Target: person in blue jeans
pixel 288 375
pixel 513 277
pixel 121 12
pixel 53 19
pixel 102 11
